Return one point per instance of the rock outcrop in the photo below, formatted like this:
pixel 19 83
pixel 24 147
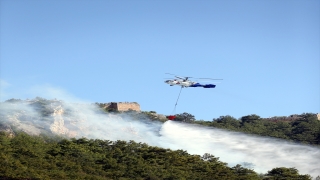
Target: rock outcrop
pixel 58 122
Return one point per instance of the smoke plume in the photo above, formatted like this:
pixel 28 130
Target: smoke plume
pixel 86 120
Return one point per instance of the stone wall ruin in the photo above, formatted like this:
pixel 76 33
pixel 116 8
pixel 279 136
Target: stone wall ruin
pixel 121 106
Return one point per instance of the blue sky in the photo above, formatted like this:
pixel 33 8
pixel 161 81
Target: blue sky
pixel 267 52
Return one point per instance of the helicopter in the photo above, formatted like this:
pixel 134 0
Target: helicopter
pixel 184 82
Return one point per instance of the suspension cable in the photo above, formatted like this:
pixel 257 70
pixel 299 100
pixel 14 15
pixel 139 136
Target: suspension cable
pixel 174 110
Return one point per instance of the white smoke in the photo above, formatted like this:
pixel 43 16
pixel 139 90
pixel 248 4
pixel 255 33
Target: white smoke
pixel 86 120
pixel 76 120
pixel 236 148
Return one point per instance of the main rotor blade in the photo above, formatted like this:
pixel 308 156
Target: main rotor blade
pixel 171 74
pixel 187 77
pixel 209 78
pixel 182 77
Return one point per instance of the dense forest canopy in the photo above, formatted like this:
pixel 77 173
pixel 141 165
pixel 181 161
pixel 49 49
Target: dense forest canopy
pixel 303 128
pixel 41 157
pixel 47 157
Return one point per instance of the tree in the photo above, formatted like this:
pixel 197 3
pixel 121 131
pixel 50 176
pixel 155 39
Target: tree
pixel 250 118
pixel 244 173
pixel 228 122
pixel 185 117
pixel 287 173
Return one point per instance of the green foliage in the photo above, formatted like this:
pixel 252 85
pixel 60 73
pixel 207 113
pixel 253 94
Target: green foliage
pixel 29 157
pixel 228 122
pixel 185 117
pixel 250 119
pixel 42 157
pixel 304 128
pixel 286 173
pixel 153 116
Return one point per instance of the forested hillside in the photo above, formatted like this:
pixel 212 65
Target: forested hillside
pixel 41 157
pixel 43 139
pixel 304 128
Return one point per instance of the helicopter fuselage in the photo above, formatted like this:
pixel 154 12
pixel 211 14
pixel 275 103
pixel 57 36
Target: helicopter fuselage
pixel 186 83
pixel 183 83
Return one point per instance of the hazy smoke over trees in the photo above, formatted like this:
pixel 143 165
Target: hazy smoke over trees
pixel 87 120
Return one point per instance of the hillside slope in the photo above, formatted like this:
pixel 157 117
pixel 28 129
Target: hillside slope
pixel 49 118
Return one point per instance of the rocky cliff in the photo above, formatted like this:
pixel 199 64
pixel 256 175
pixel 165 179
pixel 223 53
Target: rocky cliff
pixel 42 116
